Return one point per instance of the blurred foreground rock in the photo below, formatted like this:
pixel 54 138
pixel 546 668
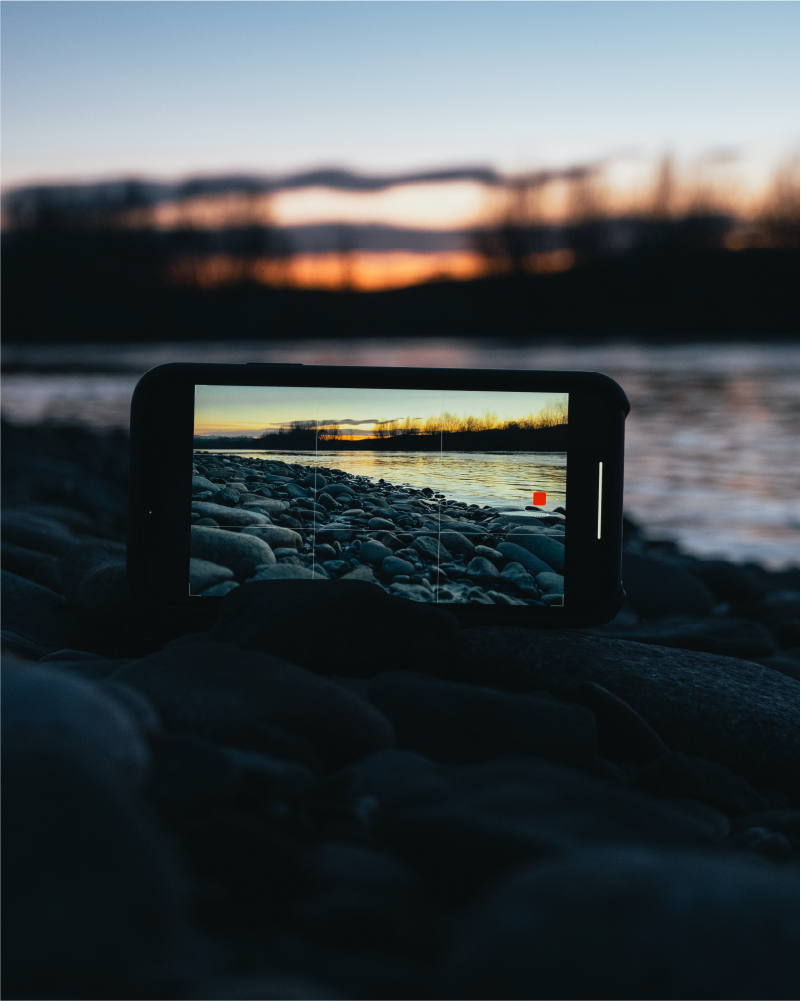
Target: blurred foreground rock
pixel 331 792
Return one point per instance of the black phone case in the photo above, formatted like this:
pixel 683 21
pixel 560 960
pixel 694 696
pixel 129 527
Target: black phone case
pixel 162 419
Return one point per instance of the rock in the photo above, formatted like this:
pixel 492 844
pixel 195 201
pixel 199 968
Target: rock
pixel 324 552
pixel 229 515
pixel 37 621
pixel 289 571
pixel 362 573
pixel 241 552
pixel 731 711
pixel 31 531
pixel 203 575
pixel 257 702
pixel 461 828
pixel 517 554
pixel 461 724
pixel 334 533
pixel 457 543
pixel 679 775
pixel 374 552
pixel 201 483
pixel 727 581
pixel 206 522
pixel 542 546
pixel 500 598
pixel 48 711
pixel 94 579
pixel 376 524
pixel 295 491
pixel 336 568
pixel 550 583
pixel 93 906
pixel 655 588
pixel 623 735
pixel 652 923
pixel 483 572
pixel 42 568
pixel 287 521
pixel 430 550
pixel 328 502
pixel 359 629
pixel 275 535
pixel 265 504
pixel 220 590
pixel 391 566
pixel 488 553
pixel 725 636
pixel 413 592
pixel 515 574
pixel 228 496
pixel 341 491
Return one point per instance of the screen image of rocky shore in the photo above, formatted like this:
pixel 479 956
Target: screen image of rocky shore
pixel 267 519
pixel 435 505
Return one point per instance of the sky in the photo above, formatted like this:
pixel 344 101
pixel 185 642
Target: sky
pixel 97 89
pixel 254 409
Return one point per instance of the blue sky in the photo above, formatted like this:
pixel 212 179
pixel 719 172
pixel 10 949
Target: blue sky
pixel 100 88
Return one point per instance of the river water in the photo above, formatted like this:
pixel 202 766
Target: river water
pixel 711 441
pixel 503 480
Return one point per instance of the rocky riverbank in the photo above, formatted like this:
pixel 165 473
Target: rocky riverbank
pixel 325 792
pixel 266 519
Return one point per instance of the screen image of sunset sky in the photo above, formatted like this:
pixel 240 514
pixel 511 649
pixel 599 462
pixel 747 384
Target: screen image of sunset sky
pixel 368 414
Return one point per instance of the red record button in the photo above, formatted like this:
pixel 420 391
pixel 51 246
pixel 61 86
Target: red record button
pixel 539 497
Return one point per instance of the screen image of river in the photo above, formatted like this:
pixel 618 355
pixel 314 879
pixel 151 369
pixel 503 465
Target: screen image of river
pixel 458 497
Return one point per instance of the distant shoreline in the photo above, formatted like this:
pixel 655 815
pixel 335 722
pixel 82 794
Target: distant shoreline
pixel 550 439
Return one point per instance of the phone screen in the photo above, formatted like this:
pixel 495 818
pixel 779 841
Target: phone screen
pixel 453 496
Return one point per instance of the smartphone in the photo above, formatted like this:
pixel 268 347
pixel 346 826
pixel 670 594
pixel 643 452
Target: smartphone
pixel 445 486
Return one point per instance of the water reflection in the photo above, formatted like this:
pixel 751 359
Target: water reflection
pixel 505 480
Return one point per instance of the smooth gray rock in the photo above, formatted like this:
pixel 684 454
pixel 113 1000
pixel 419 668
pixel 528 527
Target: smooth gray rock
pixel 551 583
pixel 462 827
pixel 483 572
pixel 732 711
pixel 414 592
pixel 631 922
pixel 37 621
pixel 33 531
pixel 220 590
pixel 376 524
pixel 391 566
pixel 201 483
pixel 275 536
pixel 457 543
pixel 362 573
pixel 374 553
pixel 655 588
pixel 229 515
pixel 516 574
pixel 203 575
pixel 257 702
pixel 359 629
pixel 542 546
pixel 92 904
pixel 94 579
pixel 49 711
pixel 289 571
pixel 242 553
pixel 431 550
pixel 517 554
pixel 461 724
pixel 266 504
